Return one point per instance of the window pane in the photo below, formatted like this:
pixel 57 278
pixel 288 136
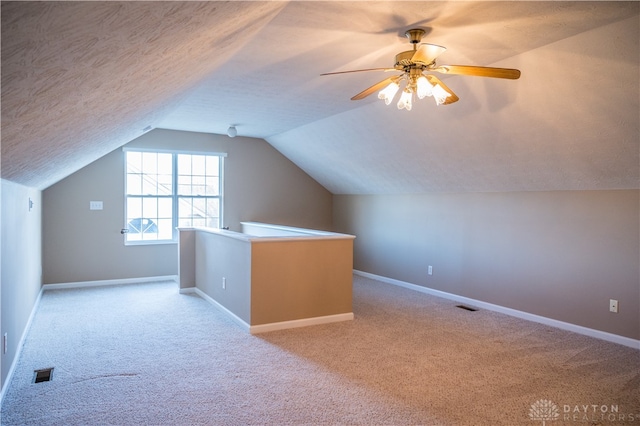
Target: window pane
pixel 184 164
pixel 198 165
pixel 213 215
pixel 142 228
pixel 134 208
pixel 213 164
pixel 165 208
pixel 213 206
pixel 199 221
pixel 165 184
pixel 149 185
pixel 165 164
pixel 213 186
pixel 199 211
pixel 150 207
pixel 199 207
pixel 150 163
pixel 199 186
pixel 184 185
pixel 165 229
pixel 134 162
pixel 134 184
pixel 185 208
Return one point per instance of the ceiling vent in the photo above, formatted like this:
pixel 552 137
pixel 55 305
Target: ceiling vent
pixel 466 308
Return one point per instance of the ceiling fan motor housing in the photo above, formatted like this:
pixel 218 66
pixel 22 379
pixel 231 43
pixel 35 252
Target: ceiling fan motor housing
pixel 403 59
pixel 415 35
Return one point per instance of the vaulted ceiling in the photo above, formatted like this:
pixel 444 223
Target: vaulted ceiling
pixel 80 79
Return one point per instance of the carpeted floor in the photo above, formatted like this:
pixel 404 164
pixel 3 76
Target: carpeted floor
pixel 147 355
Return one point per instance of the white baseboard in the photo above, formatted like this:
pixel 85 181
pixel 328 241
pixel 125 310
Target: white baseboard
pixel 603 335
pixel 14 362
pixel 100 283
pixel 263 328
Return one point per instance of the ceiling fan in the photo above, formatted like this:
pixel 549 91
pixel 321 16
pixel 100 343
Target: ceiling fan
pixel 413 64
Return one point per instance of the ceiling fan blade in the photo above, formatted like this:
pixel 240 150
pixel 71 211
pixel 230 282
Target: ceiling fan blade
pixel 450 99
pixel 376 87
pixel 427 53
pixel 509 73
pixel 367 69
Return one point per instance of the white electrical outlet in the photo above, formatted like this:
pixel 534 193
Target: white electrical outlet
pixel 613 305
pixel 430 270
pixel 95 205
pixel 224 283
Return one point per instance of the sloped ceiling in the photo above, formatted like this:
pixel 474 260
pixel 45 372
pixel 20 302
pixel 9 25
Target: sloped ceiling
pixel 80 79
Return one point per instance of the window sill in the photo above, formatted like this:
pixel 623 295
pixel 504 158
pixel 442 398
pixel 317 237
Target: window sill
pixel 150 243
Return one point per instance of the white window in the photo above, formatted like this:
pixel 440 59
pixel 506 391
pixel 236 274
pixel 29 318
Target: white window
pixel 165 190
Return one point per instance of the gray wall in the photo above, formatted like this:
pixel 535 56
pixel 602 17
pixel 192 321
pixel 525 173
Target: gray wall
pixel 218 256
pixel 21 264
pixel 561 255
pixel 83 245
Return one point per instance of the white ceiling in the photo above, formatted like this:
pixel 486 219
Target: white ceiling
pixel 80 79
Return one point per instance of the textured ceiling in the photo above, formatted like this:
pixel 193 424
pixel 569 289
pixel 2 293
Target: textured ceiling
pixel 80 79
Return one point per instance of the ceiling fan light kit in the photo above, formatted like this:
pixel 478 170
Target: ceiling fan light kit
pixel 413 64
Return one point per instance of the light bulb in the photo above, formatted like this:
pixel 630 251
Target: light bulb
pixel 405 100
pixel 388 92
pixel 439 94
pixel 424 87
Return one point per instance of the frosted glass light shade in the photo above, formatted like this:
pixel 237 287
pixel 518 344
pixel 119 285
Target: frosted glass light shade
pixel 405 100
pixel 439 94
pixel 424 88
pixel 388 92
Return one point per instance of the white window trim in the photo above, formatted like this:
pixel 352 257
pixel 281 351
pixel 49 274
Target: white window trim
pixel 174 233
pixel 174 151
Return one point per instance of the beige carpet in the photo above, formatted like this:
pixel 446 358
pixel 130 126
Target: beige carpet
pixel 144 354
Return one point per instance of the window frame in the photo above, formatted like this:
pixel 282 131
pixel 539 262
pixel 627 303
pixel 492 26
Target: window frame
pixel 175 196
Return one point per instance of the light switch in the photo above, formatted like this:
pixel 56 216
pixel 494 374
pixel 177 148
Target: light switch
pixel 95 205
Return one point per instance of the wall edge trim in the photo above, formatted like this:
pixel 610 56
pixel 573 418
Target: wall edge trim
pixel 602 335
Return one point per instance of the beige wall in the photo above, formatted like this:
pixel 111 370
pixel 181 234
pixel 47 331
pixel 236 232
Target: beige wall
pixel 561 255
pixel 83 245
pixel 21 267
pixel 293 280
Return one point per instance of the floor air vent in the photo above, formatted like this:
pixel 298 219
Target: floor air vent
pixel 466 308
pixel 44 375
